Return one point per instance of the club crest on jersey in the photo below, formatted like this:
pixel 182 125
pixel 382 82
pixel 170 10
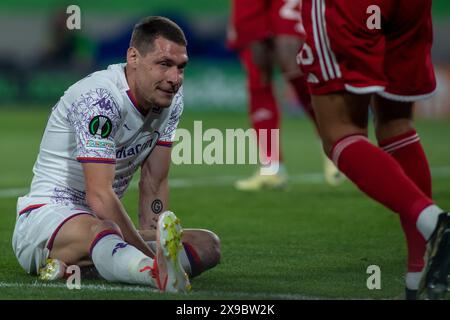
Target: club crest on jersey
pixel 100 126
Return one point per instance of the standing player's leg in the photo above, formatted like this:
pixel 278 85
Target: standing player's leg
pixel 337 56
pixel 250 34
pixel 289 36
pixel 396 135
pixel 410 32
pixel 264 112
pixel 380 176
pixel 286 50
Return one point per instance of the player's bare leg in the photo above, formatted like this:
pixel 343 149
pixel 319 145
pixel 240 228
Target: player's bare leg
pixel 71 245
pixel 342 120
pixel 263 56
pixel 73 240
pixel 340 115
pixel 396 135
pixel 286 48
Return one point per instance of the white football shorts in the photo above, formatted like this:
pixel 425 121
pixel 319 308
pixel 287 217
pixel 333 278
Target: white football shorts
pixel 36 228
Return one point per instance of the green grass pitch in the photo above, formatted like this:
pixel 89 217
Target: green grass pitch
pixel 309 241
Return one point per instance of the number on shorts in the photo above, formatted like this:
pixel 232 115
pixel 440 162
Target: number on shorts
pixel 291 10
pixel 305 57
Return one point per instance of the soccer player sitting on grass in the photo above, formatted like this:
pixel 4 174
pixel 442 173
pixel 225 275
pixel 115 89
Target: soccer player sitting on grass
pixel 101 131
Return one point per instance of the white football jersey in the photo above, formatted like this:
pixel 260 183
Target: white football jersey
pixel 96 121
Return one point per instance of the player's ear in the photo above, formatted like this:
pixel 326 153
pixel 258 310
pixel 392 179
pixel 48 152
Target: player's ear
pixel 132 56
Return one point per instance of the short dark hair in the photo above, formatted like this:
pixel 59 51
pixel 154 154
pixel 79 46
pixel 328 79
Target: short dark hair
pixel 150 28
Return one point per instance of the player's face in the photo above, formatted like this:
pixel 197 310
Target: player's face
pixel 160 73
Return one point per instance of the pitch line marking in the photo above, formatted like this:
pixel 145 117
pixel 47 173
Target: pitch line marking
pixel 130 288
pixel 220 181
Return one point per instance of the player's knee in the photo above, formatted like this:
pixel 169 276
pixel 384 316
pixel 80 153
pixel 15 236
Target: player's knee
pixel 206 247
pixel 212 252
pixel 392 118
pixel 74 240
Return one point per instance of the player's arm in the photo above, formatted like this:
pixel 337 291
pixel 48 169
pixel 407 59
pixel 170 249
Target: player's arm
pixel 104 202
pixel 154 187
pixel 96 118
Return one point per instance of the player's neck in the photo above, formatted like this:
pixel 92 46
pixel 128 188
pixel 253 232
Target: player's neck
pixel 133 94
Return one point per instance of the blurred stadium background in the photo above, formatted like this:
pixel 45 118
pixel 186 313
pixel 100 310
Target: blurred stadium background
pixel 39 57
pixel 313 252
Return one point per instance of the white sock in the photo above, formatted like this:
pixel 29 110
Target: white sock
pixel 118 261
pixel 282 169
pixel 412 280
pixel 273 168
pixel 426 223
pixel 183 258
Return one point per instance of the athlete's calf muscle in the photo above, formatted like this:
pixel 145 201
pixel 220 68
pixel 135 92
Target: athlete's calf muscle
pixel 340 115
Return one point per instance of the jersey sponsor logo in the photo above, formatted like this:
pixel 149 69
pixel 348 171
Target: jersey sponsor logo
pixel 100 126
pixel 99 144
pixel 134 150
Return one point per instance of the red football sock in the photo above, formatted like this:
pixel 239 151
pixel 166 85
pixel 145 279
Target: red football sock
pixel 407 150
pixel 263 108
pixel 379 176
pixel 300 87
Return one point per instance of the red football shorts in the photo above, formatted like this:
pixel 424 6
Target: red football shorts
pixel 255 20
pixel 369 46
